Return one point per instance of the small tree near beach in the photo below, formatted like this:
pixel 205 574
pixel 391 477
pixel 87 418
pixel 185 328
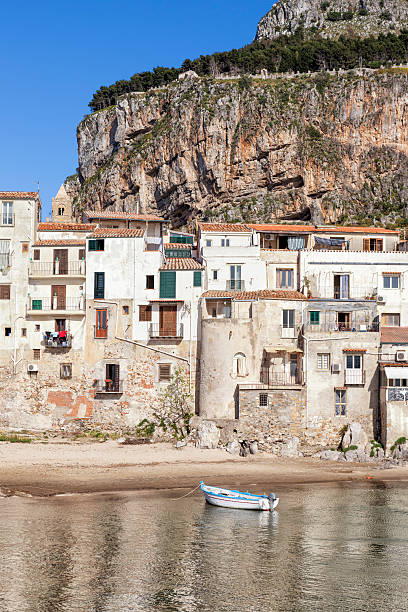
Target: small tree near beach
pixel 175 406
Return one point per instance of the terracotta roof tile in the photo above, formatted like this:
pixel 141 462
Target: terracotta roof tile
pixel 60 227
pixel 281 294
pixel 394 335
pixel 312 229
pixel 112 232
pixel 177 245
pixel 19 195
pixel 68 242
pixel 354 350
pixel 111 214
pixel 181 263
pixel 218 293
pixel 263 294
pixel 224 227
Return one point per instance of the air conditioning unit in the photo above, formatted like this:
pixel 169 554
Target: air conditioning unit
pixel 32 367
pixel 380 299
pixel 269 236
pixel 335 368
pixel 401 356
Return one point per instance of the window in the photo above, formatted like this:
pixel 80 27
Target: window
pixel 81 254
pixel 4 292
pixel 60 325
pixel 391 281
pixel 238 364
pixel 314 317
pixel 284 278
pixel 4 254
pixel 344 321
pixel 99 285
pixel 340 402
pixel 61 211
pixel 208 243
pixel 24 247
pixel 96 245
pixel 341 286
pixel 164 372
pixel 235 275
pixel 7 218
pixel 225 242
pixel 390 320
pixel 7 331
pixel 23 332
pixel 101 326
pixel 372 244
pixel 36 354
pixel 150 281
pixel 112 380
pixel 288 318
pixel 125 310
pixel 145 313
pixel 323 361
pixel 215 274
pixel 36 255
pixel 37 328
pixel 197 278
pixel 263 400
pixel 167 284
pixel 214 313
pixel 66 370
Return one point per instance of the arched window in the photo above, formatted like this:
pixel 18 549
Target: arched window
pixel 239 364
pixel 61 211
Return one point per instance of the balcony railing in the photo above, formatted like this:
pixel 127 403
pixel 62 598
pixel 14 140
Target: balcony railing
pixel 55 341
pixel 353 326
pixel 100 332
pixel 397 394
pixel 235 285
pixel 75 304
pixel 354 377
pixel 280 379
pixel 166 331
pixel 57 268
pixel 108 386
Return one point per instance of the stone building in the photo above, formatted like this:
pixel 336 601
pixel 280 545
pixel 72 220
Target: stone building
pixel 62 207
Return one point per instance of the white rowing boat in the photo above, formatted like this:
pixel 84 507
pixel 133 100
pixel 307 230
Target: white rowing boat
pixel 229 498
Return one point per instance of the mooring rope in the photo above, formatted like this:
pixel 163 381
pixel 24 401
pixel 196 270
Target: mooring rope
pixel 189 493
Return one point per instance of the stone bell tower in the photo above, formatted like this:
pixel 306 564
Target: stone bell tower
pixel 62 207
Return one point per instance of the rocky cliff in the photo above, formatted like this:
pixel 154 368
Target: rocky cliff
pixel 333 18
pixel 325 146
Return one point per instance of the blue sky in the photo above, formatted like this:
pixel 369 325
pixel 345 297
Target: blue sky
pixel 55 55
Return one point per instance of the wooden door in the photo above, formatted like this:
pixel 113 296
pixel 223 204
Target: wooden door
pixel 101 327
pixel 62 256
pixel 60 291
pixel 168 320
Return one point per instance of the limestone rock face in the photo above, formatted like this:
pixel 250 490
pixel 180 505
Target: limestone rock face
pixel 355 436
pixel 334 18
pixel 327 147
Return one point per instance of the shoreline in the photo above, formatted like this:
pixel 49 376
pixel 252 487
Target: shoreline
pixel 45 470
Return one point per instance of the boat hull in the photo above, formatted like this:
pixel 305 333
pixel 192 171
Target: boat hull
pixel 226 498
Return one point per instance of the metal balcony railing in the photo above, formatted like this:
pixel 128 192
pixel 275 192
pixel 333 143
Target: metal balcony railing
pixel 354 377
pixel 397 394
pixel 108 386
pixel 280 379
pixel 332 326
pixel 57 268
pixel 166 331
pixel 54 341
pixel 56 303
pixel 100 332
pixel 235 285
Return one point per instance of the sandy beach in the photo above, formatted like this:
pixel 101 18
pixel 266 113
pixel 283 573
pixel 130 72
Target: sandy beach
pixel 78 467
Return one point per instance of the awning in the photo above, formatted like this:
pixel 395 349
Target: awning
pixel 278 348
pixel 396 372
pixel 329 241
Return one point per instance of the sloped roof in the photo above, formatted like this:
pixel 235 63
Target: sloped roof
pixel 268 227
pixel 60 227
pixel 113 232
pixel 109 214
pixel 394 335
pixel 19 195
pixel 181 263
pixel 67 242
pixel 225 227
pixel 177 245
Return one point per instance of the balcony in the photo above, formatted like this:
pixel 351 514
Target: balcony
pixel 45 305
pixel 235 285
pixel 280 379
pixel 42 269
pixel 397 394
pixel 100 332
pixel 107 387
pixel 52 340
pixel 165 331
pixel 153 243
pixel 354 377
pixel 352 326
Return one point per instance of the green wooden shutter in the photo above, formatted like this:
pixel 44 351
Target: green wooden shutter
pixel 197 278
pixel 92 245
pixel 167 284
pixel 314 317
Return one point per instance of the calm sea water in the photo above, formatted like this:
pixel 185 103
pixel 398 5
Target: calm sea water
pixel 327 548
